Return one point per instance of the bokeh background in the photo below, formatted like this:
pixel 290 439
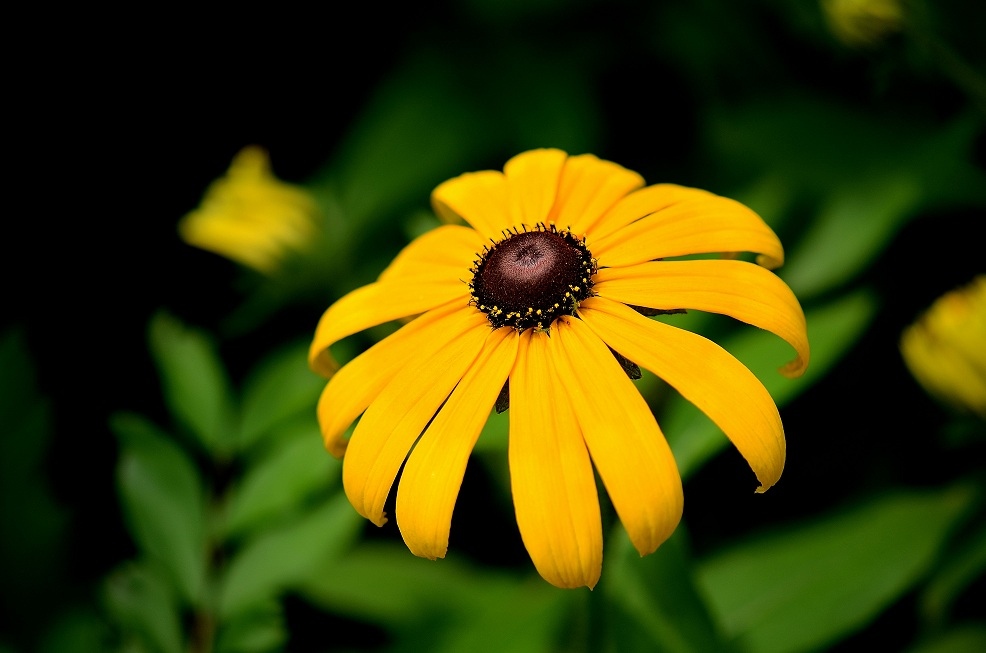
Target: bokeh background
pixel 865 153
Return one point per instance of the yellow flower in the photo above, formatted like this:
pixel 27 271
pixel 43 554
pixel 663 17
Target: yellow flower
pixel 945 349
pixel 561 259
pixel 863 22
pixel 250 216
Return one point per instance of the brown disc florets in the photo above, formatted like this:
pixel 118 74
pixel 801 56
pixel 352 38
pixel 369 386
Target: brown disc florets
pixel 531 277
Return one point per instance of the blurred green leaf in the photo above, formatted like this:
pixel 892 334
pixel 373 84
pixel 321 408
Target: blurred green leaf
pixel 537 100
pixel 832 329
pixel 79 630
pixel 280 482
pixel 769 591
pixel 521 618
pixel 388 584
pixel 441 605
pixel 654 599
pixel 254 631
pixel 282 386
pixel 870 173
pixel 194 382
pixel 418 130
pixel 495 432
pixel 163 500
pixel 32 547
pixel 965 564
pixel 280 559
pixel 817 145
pixel 143 604
pixel 966 638
pixel 854 224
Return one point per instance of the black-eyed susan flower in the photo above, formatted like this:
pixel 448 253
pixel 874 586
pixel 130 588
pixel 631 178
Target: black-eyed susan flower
pixel 250 216
pixel 552 276
pixel 945 349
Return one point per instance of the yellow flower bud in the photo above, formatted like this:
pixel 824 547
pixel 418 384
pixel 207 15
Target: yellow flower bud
pixel 250 216
pixel 945 349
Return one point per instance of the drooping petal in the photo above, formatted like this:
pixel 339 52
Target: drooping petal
pixel 357 384
pixel 551 477
pixel 699 223
pixel 705 374
pixel 629 451
pixel 446 252
pixel 394 420
pixel 532 180
pixel 741 290
pixel 375 304
pixel 588 188
pixel 433 473
pixel 479 198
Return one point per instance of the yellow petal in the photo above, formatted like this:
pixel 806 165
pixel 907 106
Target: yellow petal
pixel 697 223
pixel 433 473
pixel 629 451
pixel 395 419
pixel 442 253
pixel 705 374
pixel 532 179
pixel 588 188
pixel 551 477
pixel 375 304
pixel 641 203
pixel 357 384
pixel 479 198
pixel 741 290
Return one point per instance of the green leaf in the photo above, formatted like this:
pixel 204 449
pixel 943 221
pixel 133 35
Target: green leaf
pixel 768 593
pixel 194 382
pixel 853 226
pixel 965 564
pixel 280 559
pixel 966 638
pixel 387 584
pixel 143 604
pixel 33 544
pixel 280 481
pixel 281 387
pixel 495 432
pixel 832 330
pixel 418 130
pixel 654 599
pixel 477 611
pixel 898 168
pixel 78 630
pixel 163 500
pixel 256 631
pixel 522 617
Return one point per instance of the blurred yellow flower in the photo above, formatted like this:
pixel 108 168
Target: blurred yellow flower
pixel 945 349
pixel 250 216
pixel 863 22
pixel 560 262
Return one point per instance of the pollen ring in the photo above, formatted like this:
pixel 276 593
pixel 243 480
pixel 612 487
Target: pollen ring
pixel 531 277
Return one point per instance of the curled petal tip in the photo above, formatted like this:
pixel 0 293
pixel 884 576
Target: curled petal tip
pixel 337 447
pixel 794 369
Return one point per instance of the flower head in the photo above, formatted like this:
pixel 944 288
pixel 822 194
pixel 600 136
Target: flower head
pixel 250 216
pixel 547 282
pixel 945 351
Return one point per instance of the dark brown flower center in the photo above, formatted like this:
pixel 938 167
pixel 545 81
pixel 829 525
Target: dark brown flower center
pixel 530 278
